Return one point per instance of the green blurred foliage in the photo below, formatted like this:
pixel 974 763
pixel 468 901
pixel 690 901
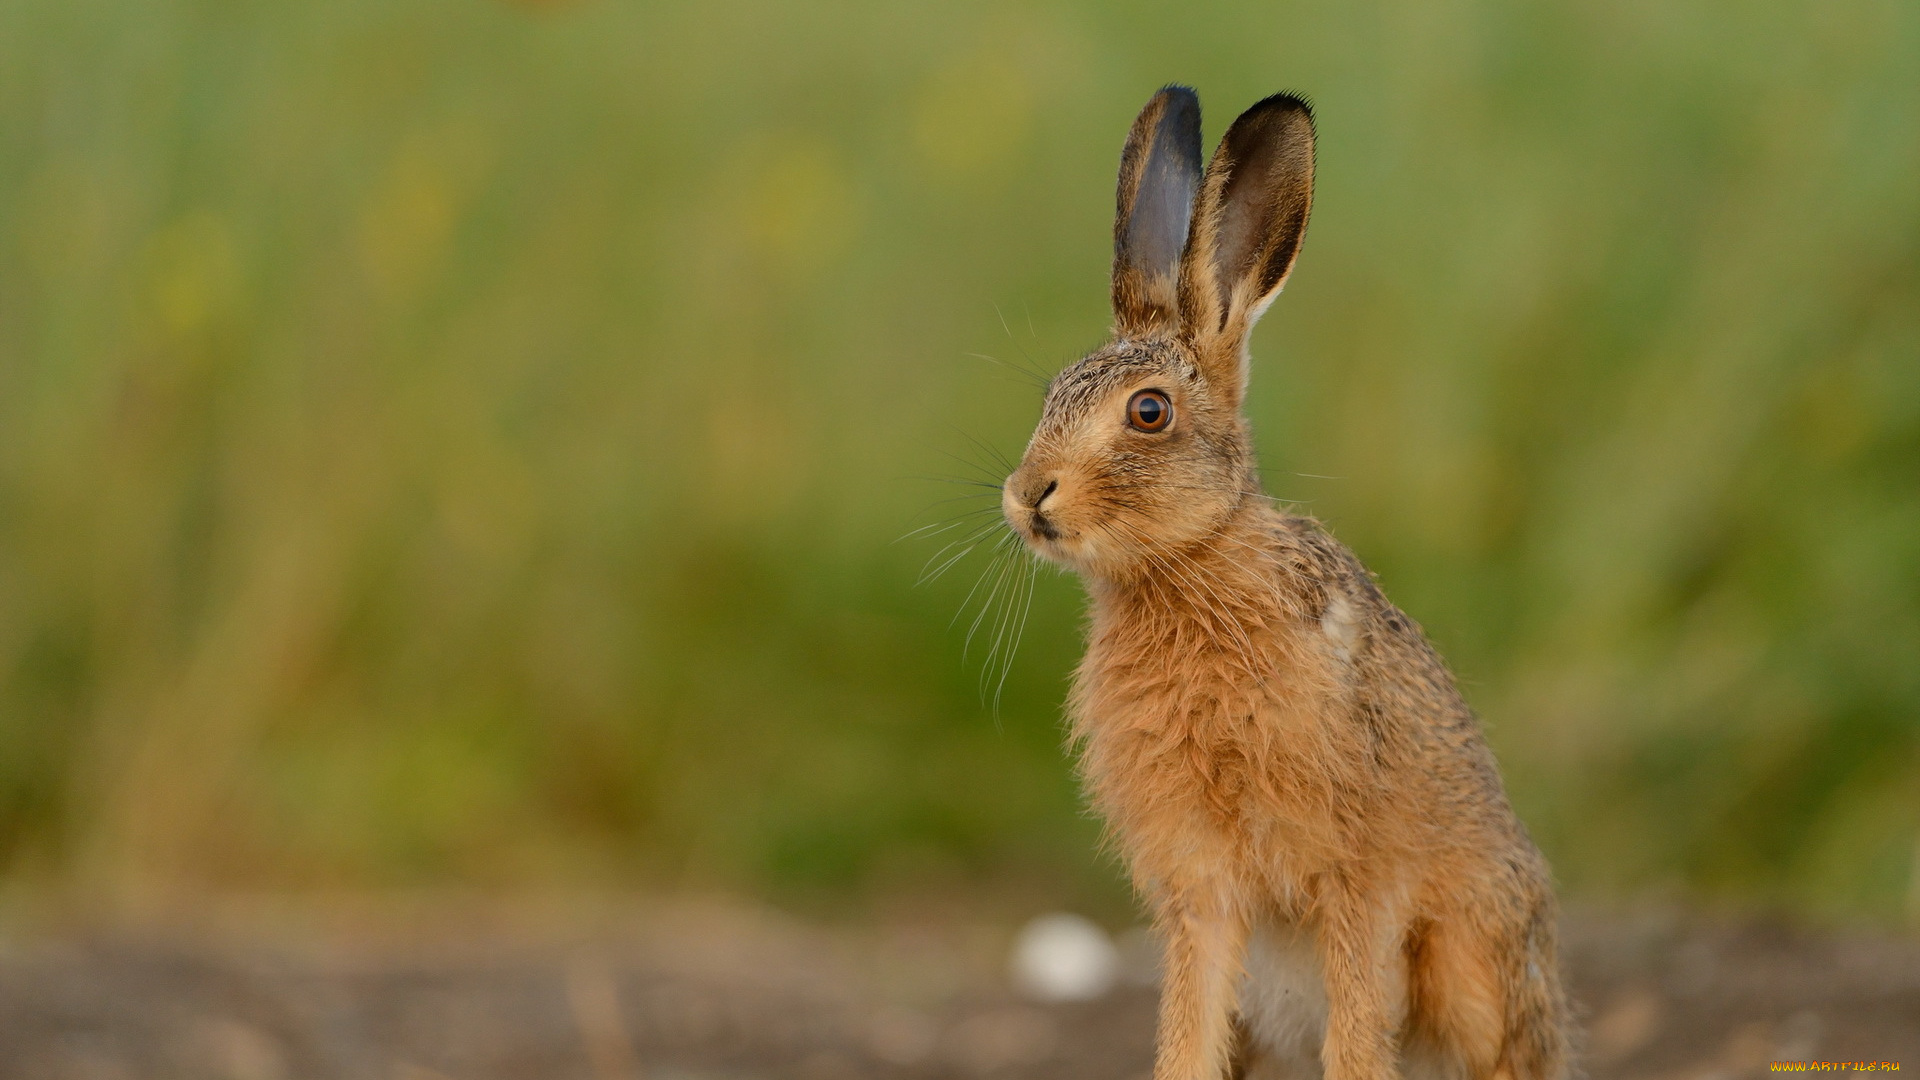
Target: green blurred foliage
pixel 457 442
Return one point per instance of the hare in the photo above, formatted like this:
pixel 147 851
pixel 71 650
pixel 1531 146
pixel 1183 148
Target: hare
pixel 1283 762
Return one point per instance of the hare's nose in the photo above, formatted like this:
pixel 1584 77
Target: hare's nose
pixel 1028 489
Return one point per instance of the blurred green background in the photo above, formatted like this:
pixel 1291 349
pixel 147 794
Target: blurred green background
pixel 451 443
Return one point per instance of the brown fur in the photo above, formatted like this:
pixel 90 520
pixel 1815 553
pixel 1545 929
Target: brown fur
pixel 1285 765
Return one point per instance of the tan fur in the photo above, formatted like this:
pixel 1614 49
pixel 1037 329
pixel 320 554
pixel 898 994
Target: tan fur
pixel 1284 763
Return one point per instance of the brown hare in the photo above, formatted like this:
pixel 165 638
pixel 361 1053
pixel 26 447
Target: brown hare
pixel 1283 761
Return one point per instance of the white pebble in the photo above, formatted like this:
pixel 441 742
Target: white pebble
pixel 1064 957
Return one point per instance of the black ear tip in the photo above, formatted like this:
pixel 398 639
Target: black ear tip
pixel 1180 92
pixel 1181 102
pixel 1284 103
pixel 1180 120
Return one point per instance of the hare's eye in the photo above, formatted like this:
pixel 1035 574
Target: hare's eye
pixel 1149 410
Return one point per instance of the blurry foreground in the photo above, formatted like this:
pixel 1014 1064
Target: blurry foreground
pixel 715 993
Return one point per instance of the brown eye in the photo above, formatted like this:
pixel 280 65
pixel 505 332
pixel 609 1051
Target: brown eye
pixel 1149 410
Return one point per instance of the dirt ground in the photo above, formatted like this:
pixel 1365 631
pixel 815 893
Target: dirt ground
pixel 717 992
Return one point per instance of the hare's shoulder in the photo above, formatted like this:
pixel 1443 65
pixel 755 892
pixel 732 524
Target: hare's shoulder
pixel 1333 586
pixel 1320 569
pixel 1398 668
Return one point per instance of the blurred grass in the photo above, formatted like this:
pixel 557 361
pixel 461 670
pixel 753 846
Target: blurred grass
pixel 452 442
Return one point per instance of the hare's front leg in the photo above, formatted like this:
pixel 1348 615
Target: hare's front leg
pixel 1205 940
pixel 1365 972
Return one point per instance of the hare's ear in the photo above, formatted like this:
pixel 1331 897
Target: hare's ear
pixel 1247 228
pixel 1159 173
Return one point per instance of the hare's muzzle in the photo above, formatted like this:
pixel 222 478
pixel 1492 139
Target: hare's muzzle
pixel 1025 499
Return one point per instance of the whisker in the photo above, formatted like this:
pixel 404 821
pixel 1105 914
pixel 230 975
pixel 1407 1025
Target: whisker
pixel 1019 632
pixel 932 529
pixel 952 480
pixel 945 524
pixel 992 508
pixel 1032 378
pixel 990 451
pixel 966 544
pixel 967 600
pixel 1002 563
pixel 1016 341
pixel 1001 617
pixel 987 475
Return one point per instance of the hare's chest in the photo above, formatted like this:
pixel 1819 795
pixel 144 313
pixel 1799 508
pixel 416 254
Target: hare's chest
pixel 1186 762
pixel 1187 788
pixel 1175 751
